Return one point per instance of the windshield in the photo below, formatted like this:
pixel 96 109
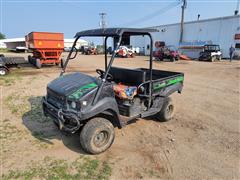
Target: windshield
pixel 211 48
pixel 172 48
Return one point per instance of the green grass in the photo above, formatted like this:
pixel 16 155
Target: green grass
pixel 9 135
pixel 9 131
pixel 10 79
pixel 17 104
pixel 4 50
pixel 55 169
pixel 30 109
pixel 153 173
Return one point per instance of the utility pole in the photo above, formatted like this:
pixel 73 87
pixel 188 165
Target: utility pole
pixel 184 5
pixel 103 23
pixel 237 8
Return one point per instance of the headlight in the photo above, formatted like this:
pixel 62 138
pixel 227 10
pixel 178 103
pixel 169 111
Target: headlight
pixel 73 105
pixel 84 103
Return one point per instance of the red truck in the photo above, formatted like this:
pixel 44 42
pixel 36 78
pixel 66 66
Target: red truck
pixel 165 52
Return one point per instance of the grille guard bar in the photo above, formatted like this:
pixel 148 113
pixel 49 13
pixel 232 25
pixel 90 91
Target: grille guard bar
pixel 61 117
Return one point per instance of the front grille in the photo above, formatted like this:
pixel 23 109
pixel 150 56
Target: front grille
pixel 55 99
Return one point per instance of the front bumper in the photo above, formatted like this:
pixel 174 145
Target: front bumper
pixel 67 120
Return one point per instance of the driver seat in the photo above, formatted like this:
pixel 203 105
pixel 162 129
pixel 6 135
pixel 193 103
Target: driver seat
pixel 124 91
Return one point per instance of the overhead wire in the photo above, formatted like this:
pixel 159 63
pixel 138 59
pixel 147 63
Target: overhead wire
pixel 151 15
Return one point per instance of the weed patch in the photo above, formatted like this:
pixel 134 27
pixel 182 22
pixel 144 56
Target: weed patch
pixel 49 168
pixel 10 79
pixel 9 134
pixel 17 104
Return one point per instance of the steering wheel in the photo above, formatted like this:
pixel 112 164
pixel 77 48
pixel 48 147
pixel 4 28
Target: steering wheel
pixel 102 74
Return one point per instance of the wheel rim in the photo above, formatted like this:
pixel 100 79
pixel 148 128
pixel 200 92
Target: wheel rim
pixel 2 72
pixel 169 110
pixel 101 139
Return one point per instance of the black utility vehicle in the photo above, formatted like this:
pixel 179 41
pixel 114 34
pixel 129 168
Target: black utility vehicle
pixel 211 52
pixel 119 96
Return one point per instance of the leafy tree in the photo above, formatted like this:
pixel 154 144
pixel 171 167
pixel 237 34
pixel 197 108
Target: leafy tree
pixel 2 36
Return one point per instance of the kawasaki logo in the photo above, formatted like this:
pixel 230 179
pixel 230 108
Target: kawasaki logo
pixel 83 90
pixel 160 85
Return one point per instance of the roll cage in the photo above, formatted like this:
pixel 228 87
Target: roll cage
pixel 114 33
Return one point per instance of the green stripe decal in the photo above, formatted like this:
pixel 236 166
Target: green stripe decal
pixel 157 86
pixel 83 90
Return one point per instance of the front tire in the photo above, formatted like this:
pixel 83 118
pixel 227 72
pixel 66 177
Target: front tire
pixel 177 58
pixel 213 58
pixel 167 111
pixel 97 135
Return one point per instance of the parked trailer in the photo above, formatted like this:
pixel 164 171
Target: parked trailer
pixel 7 62
pixel 47 48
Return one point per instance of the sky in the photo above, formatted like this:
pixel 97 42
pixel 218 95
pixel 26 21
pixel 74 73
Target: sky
pixel 19 17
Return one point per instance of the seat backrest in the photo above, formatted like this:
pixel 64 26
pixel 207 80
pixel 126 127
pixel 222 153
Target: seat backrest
pixel 132 77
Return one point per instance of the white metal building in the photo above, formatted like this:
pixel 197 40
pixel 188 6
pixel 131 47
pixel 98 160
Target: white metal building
pixel 69 42
pixel 18 43
pixel 224 31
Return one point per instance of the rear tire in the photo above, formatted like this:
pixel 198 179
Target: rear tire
pixel 128 56
pixel 3 71
pixel 97 135
pixel 30 59
pixel 62 63
pixel 38 63
pixel 172 59
pixel 167 111
pixel 220 58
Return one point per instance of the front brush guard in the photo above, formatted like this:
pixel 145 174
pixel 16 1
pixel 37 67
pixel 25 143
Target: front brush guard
pixel 60 116
pixel 62 119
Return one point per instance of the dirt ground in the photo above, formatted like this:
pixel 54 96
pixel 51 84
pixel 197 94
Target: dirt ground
pixel 201 142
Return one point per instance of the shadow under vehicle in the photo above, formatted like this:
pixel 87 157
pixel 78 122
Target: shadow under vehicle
pixel 211 52
pixel 116 98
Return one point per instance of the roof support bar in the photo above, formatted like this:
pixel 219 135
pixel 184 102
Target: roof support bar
pixel 105 51
pixel 107 71
pixel 150 68
pixel 69 56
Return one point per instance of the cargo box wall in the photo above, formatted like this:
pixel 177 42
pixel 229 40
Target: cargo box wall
pixel 45 40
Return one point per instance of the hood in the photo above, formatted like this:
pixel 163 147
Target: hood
pixel 73 84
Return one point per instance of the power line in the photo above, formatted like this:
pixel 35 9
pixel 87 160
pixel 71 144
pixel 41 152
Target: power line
pixel 237 8
pixel 152 15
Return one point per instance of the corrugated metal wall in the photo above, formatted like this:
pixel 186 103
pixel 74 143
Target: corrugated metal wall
pixel 219 31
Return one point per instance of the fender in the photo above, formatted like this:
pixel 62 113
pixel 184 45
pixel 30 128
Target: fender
pixel 4 67
pixel 107 105
pixel 171 89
